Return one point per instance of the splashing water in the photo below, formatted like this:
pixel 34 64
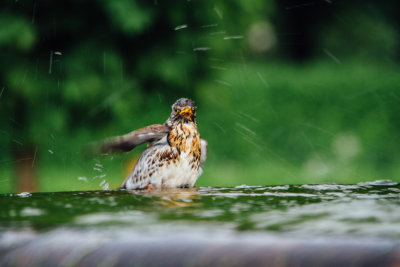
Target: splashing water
pixel 315 221
pixel 366 209
pixel 181 27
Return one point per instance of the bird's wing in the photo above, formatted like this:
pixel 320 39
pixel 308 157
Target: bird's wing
pixel 204 147
pixel 129 141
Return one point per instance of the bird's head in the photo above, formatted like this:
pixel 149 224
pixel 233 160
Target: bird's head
pixel 184 109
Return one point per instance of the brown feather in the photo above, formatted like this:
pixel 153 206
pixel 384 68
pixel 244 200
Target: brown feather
pixel 129 141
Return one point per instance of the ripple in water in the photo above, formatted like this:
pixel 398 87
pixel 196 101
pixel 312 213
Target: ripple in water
pixel 369 210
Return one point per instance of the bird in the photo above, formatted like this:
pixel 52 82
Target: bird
pixel 174 155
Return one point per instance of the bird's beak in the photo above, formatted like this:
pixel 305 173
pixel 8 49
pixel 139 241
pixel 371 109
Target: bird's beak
pixel 187 113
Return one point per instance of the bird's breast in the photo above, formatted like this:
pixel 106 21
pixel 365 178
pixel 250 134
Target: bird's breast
pixel 185 138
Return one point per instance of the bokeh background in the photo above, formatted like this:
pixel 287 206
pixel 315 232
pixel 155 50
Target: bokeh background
pixel 288 92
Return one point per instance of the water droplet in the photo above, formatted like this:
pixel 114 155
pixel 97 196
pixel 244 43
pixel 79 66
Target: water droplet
pixel 2 90
pixel 180 27
pixel 209 25
pixel 218 68
pixel 201 48
pixel 24 194
pixel 329 54
pixel 223 83
pixel 218 11
pixel 83 179
pixel 99 176
pixel 218 33
pixel 234 37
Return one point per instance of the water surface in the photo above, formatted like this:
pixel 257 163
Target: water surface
pixel 366 214
pixel 368 209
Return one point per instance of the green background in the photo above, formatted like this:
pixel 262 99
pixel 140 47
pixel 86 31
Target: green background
pixel 288 92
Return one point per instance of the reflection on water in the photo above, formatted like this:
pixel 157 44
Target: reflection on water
pixel 368 209
pixel 243 222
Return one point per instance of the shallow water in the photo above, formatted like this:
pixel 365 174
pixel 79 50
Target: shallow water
pixel 367 213
pixel 368 209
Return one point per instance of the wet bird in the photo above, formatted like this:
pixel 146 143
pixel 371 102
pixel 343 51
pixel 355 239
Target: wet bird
pixel 174 154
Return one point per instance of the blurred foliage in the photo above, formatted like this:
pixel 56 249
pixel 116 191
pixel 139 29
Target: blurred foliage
pixel 74 72
pixel 323 122
pixel 376 40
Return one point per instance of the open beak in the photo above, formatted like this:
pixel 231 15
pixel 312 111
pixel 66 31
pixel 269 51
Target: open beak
pixel 186 113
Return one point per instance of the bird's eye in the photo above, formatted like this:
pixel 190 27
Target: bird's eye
pixel 177 110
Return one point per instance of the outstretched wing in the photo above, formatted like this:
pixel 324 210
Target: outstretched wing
pixel 129 141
